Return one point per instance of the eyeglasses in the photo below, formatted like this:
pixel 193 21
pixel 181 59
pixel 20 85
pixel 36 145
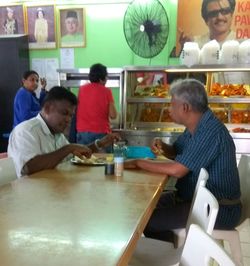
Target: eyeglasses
pixel 215 13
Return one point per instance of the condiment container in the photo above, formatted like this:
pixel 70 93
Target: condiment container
pixel 119 164
pixel 109 166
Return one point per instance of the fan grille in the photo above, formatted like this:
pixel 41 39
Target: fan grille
pixel 146 27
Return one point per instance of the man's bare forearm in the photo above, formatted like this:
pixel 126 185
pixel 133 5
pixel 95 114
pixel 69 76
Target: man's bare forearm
pixel 52 159
pixel 46 161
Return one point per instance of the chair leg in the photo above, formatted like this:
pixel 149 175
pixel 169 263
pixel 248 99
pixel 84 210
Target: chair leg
pixel 179 237
pixel 235 248
pixel 178 241
pixel 233 238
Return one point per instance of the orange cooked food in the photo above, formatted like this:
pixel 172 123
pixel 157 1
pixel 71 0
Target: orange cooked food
pixel 240 116
pixel 166 117
pixel 150 115
pixel 240 130
pixel 228 90
pixel 222 116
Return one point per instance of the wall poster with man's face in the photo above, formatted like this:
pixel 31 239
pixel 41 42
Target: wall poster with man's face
pixel 72 27
pixel 12 20
pixel 204 20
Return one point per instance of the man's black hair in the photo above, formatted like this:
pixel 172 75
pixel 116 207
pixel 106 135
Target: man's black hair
pixel 58 93
pixel 206 2
pixel 97 73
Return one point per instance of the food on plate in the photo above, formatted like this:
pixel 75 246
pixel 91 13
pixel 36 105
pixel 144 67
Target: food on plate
pixel 158 151
pixel 92 160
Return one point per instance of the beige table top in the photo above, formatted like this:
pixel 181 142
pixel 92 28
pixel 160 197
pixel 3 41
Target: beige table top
pixel 75 215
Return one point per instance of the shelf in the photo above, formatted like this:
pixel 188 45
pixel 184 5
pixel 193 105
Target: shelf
pixel 194 68
pixel 148 100
pixel 221 99
pixel 76 77
pixel 212 99
pixel 78 83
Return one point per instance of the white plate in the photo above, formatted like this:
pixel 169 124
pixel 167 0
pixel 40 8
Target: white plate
pixel 87 162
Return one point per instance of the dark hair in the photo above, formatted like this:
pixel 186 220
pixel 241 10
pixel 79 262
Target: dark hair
pixel 206 2
pixel 190 91
pixel 71 14
pixel 28 73
pixel 58 93
pixel 97 73
pixel 40 10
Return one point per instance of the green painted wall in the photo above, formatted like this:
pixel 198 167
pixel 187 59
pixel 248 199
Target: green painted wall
pixel 105 41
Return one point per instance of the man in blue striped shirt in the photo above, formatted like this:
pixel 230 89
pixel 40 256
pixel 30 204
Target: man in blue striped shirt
pixel 205 143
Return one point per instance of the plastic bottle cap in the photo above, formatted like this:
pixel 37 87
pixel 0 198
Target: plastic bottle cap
pixel 110 158
pixel 118 160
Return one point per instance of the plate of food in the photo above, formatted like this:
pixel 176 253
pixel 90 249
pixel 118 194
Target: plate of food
pixel 92 161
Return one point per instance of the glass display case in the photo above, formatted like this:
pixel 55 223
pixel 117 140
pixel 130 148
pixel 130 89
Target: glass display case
pixel 145 100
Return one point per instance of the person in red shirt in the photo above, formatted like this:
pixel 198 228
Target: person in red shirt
pixel 95 107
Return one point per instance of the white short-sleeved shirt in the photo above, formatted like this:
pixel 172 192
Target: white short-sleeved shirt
pixel 32 138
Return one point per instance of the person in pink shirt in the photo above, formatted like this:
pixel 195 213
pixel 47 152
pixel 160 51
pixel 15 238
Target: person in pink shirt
pixel 95 107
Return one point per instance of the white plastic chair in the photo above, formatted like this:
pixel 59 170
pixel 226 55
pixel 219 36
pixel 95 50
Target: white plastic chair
pixel 154 252
pixel 200 248
pixel 181 233
pixel 232 236
pixel 7 171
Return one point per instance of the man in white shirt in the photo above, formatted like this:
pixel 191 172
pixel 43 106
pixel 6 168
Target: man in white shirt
pixel 39 143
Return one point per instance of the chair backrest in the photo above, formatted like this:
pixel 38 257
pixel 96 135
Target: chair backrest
pixel 244 173
pixel 204 210
pixel 200 248
pixel 201 182
pixel 7 171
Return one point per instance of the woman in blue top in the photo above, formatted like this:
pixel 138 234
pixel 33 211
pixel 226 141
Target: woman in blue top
pixel 26 103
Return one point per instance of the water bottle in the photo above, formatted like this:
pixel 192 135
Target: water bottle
pixel 119 165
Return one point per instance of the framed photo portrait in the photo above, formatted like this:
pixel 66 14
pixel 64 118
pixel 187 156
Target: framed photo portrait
pixel 12 20
pixel 203 21
pixel 41 26
pixel 72 27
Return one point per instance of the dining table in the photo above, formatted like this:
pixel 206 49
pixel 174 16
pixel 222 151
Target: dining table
pixel 75 215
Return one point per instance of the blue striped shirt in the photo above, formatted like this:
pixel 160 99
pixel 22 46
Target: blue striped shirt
pixel 211 147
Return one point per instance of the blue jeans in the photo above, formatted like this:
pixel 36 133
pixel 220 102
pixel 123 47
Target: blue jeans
pixel 86 138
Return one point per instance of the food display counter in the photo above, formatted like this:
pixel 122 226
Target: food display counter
pixel 145 102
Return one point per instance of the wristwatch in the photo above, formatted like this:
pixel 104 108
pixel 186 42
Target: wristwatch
pixel 97 142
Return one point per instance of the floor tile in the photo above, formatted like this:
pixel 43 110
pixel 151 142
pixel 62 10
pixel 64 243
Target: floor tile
pixel 246 261
pixel 245 247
